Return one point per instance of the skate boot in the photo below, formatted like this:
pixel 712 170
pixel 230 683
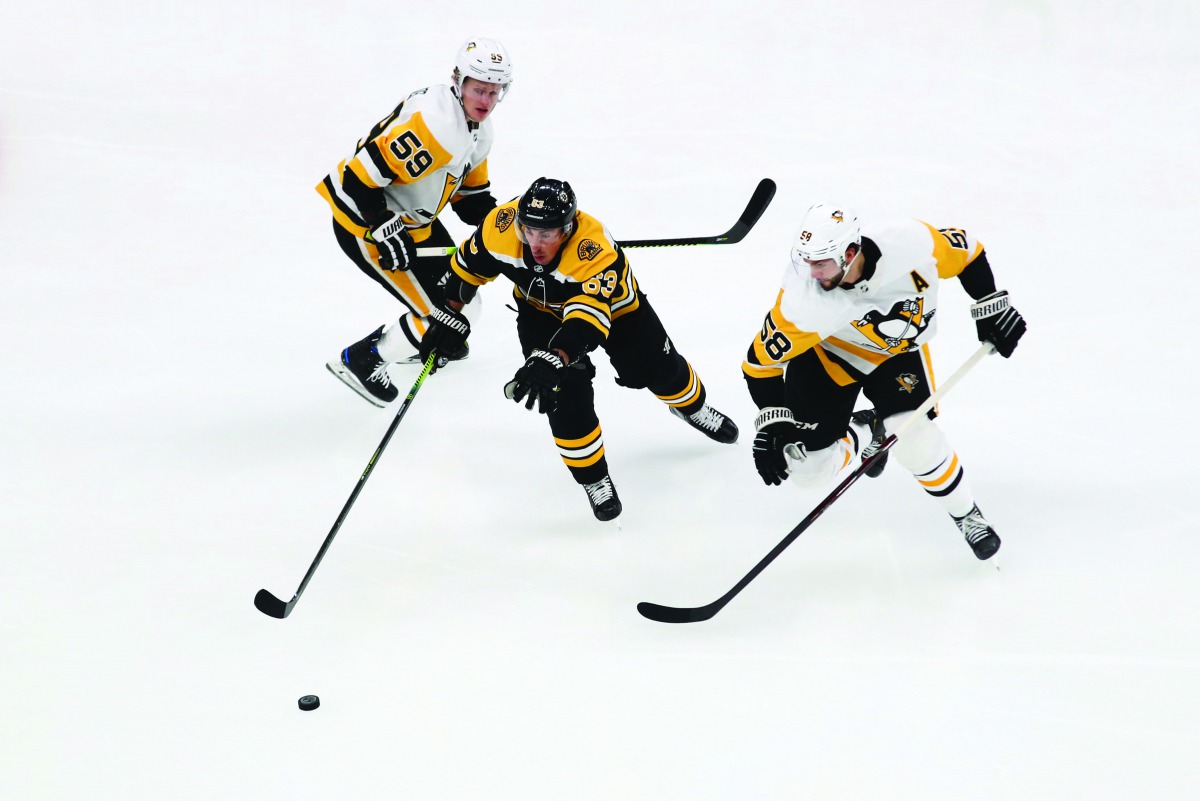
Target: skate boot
pixel 868 419
pixel 711 423
pixel 603 497
pixel 362 369
pixel 979 533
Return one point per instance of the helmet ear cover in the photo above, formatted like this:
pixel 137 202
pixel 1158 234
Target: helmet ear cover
pixel 826 231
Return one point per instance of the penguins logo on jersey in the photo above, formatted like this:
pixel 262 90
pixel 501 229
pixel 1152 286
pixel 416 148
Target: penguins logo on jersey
pixel 898 330
pixel 504 219
pixel 589 249
pixel 908 382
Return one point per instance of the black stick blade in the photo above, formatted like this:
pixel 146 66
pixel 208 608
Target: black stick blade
pixel 269 605
pixel 674 614
pixel 754 209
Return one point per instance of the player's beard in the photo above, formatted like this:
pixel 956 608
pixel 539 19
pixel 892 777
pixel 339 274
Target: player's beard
pixel 834 282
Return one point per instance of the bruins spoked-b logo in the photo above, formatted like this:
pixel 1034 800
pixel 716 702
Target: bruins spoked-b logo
pixel 504 218
pixel 589 249
pixel 908 382
pixel 898 330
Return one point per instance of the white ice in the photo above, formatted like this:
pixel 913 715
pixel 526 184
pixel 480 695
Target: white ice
pixel 172 442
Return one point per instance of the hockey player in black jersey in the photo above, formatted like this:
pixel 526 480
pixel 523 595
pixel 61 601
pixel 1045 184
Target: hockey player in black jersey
pixel 575 293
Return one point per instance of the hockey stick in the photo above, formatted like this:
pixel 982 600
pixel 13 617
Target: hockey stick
pixel 267 603
pixel 675 614
pixel 754 209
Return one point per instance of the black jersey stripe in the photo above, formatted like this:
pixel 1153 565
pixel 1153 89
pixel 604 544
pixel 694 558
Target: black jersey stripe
pixel 376 156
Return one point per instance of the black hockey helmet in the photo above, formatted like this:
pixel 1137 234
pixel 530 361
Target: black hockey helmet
pixel 547 203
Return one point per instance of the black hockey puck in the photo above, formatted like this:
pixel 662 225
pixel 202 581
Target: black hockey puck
pixel 309 702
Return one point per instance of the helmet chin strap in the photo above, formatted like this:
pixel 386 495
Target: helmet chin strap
pixel 849 264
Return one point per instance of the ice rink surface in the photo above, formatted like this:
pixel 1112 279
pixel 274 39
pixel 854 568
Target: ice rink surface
pixel 171 441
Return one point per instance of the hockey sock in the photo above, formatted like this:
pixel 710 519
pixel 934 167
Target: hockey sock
pixel 584 456
pixel 926 453
pixel 397 342
pixel 688 399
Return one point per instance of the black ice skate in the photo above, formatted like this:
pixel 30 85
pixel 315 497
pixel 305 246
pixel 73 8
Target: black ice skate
pixel 603 497
pixel 711 423
pixel 980 535
pixel 362 369
pixel 869 419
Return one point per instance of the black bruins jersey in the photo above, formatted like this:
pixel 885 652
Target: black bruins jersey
pixel 588 286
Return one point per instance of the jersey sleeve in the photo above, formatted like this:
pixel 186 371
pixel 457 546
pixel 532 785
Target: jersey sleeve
pixel 953 250
pixel 473 200
pixel 778 341
pixel 472 263
pixel 476 182
pixel 402 153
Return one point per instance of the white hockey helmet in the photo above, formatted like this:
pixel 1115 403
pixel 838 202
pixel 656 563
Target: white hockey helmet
pixel 826 230
pixel 484 60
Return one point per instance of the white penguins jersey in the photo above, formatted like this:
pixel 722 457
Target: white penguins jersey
pixel 422 155
pixel 891 310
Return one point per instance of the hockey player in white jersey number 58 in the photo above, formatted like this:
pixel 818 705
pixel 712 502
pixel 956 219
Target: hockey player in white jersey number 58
pixel 856 312
pixel 430 151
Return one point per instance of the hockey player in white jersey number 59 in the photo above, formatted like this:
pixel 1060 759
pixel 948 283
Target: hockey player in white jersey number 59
pixel 430 151
pixel 857 310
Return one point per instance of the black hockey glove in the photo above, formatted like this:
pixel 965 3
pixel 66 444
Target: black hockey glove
pixel 473 208
pixel 998 322
pixel 446 335
pixel 778 438
pixel 395 245
pixel 537 380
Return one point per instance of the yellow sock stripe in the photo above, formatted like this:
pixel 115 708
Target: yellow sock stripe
pixel 944 477
pixel 687 395
pixel 582 452
pixel 587 462
pixel 583 441
pixel 848 452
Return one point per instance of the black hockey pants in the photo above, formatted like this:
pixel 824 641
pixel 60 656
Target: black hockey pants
pixel 644 358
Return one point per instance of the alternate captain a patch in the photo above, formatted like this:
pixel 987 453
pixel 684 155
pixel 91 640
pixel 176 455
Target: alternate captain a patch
pixel 589 249
pixel 504 218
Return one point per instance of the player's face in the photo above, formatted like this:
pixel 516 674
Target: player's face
pixel 825 272
pixel 479 98
pixel 544 242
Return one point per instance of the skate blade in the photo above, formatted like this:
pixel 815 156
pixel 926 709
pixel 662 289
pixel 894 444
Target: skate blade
pixel 348 378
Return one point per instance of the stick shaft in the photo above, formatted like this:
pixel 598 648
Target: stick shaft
pixel 269 605
pixel 670 614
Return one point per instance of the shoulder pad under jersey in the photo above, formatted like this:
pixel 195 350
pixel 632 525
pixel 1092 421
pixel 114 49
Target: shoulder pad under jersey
pixel 589 250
